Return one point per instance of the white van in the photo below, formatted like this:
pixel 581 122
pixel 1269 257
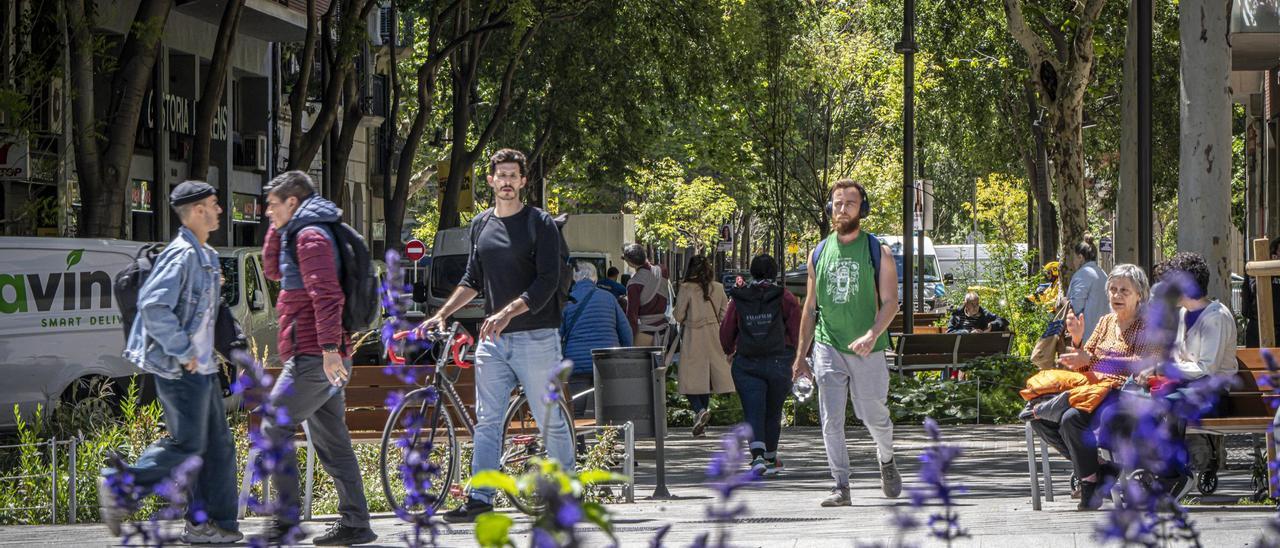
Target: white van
pixel 934 290
pixel 58 318
pixel 449 255
pixel 60 323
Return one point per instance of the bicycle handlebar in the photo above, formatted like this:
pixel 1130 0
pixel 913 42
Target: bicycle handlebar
pixel 457 341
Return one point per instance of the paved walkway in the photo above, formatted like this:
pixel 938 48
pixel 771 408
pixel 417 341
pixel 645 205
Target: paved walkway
pixel 784 511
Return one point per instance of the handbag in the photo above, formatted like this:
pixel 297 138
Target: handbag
pixel 1053 342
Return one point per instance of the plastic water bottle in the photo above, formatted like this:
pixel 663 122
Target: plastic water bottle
pixel 802 389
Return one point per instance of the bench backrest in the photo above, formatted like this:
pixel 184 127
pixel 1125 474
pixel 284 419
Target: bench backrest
pixel 1247 397
pixel 978 345
pixel 950 348
pixel 919 319
pixel 366 396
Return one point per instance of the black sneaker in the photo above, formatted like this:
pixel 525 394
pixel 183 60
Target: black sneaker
pixel 343 535
pixel 280 533
pixel 1090 499
pixel 467 512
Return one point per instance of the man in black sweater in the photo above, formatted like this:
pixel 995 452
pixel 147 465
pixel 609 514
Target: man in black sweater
pixel 516 261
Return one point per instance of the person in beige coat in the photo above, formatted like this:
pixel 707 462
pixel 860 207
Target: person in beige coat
pixel 704 369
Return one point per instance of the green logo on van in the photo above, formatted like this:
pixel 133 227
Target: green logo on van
pixel 73 258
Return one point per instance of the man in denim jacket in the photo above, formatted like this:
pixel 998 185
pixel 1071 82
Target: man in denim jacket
pixel 173 341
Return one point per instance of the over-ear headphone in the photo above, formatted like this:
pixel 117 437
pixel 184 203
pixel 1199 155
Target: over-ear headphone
pixel 863 210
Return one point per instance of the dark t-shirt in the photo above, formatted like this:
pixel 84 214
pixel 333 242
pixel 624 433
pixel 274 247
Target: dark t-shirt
pixel 505 266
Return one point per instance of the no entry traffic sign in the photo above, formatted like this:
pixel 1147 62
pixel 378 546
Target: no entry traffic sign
pixel 415 250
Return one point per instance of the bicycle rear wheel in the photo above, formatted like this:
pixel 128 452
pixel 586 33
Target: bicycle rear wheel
pixel 416 429
pixel 521 442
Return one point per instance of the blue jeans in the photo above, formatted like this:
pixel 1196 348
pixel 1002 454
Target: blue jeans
pixel 197 422
pixel 763 384
pixel 527 358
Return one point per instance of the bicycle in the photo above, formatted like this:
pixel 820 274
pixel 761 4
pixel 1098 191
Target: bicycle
pixel 520 441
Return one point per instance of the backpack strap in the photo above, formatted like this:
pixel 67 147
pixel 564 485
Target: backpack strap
pixel 817 252
pixel 874 249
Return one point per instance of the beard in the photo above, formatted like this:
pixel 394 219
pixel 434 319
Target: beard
pixel 847 225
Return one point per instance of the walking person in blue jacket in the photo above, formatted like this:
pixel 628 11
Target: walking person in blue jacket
pixel 593 319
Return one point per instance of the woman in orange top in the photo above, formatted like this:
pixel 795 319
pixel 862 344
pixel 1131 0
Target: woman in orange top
pixel 1111 354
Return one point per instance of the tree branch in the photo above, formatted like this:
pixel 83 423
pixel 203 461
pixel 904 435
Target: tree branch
pixel 214 88
pixel 298 95
pixel 1035 47
pixel 504 101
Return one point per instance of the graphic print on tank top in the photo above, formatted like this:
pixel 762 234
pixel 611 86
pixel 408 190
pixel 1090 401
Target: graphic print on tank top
pixel 843 273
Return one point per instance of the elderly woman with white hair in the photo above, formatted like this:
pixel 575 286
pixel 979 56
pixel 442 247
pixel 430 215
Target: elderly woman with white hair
pixel 1114 351
pixel 593 319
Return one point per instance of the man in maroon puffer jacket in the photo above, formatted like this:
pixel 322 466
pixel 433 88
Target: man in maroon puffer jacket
pixel 300 252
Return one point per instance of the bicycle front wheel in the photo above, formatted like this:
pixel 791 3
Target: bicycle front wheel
pixel 521 442
pixel 419 453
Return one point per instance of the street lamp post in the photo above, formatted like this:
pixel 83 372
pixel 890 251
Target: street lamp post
pixel 907 47
pixel 1145 241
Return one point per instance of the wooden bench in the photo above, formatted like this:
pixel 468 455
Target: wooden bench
pixel 1249 409
pixel 918 320
pixel 946 351
pixel 1248 412
pixel 367 413
pixel 366 416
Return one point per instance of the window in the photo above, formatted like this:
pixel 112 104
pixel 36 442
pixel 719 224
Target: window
pixel 252 285
pixel 273 286
pixel 230 280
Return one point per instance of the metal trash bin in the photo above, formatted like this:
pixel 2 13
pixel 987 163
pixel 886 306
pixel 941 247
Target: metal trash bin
pixel 625 386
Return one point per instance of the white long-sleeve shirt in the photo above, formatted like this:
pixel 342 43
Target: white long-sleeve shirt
pixel 1209 347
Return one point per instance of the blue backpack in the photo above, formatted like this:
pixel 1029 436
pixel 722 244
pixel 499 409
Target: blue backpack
pixel 874 249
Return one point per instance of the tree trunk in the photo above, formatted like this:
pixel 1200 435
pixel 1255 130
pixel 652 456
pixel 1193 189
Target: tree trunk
pixel 103 167
pixel 346 139
pixel 463 158
pixel 1038 174
pixel 351 33
pixel 1067 157
pixel 1204 154
pixel 214 87
pixel 1126 213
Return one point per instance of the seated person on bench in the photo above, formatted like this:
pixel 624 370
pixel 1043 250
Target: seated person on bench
pixel 1198 374
pixel 972 318
pixel 1114 348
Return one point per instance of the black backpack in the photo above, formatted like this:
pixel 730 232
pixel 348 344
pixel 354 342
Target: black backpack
pixel 566 266
pixel 355 272
pixel 761 329
pixel 128 284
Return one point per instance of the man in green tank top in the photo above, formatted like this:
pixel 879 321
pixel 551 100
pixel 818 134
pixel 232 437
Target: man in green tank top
pixel 849 338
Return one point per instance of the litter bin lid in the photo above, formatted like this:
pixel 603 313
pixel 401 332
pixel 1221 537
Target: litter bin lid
pixel 622 351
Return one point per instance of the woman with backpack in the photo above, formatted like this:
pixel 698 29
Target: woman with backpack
pixel 704 369
pixel 760 330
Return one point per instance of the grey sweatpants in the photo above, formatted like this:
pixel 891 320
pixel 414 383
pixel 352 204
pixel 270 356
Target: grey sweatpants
pixel 305 394
pixel 841 376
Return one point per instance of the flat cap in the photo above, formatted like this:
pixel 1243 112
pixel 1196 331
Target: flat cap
pixel 190 191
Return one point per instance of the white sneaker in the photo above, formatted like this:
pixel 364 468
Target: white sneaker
pixel 208 533
pixel 110 509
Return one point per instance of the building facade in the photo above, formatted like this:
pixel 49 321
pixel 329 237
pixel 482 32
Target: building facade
pixel 250 131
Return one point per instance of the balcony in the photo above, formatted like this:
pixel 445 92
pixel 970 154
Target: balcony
pixel 269 20
pixel 1255 34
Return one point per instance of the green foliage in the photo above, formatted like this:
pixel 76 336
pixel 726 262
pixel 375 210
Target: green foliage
pixel 1002 208
pixel 670 207
pixel 545 478
pixel 492 529
pixel 988 393
pixel 26 500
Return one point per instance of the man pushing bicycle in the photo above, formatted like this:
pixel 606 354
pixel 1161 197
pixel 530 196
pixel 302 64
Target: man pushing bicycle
pixel 516 261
